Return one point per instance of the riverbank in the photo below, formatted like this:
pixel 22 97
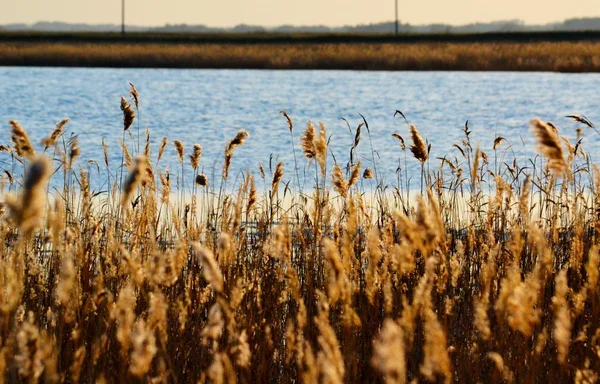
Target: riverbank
pixel 561 56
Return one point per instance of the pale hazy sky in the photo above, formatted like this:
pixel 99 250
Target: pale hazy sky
pixel 296 12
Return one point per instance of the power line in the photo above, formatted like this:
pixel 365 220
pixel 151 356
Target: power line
pixel 396 16
pixel 123 17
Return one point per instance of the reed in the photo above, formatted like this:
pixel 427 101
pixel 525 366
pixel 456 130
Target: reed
pixel 489 275
pixel 577 56
pixel 55 134
pixel 550 145
pixel 128 113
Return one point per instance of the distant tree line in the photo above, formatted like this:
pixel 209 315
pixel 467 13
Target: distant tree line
pixel 577 24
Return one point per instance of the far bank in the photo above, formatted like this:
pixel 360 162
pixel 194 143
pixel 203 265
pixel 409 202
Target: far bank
pixel 565 56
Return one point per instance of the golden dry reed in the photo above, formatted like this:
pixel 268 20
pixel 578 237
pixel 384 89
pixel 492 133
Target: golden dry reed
pixel 418 148
pixel 549 144
pixel 128 113
pixel 576 56
pixel 348 280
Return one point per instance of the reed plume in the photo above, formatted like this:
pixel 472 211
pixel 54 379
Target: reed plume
pixel 389 353
pixel 27 210
pixel 144 348
pixel 418 148
pixel 161 148
pixel 147 146
pixel 339 183
pixel 148 176
pixel 252 198
pixel 400 140
pixel 549 145
pixel 10 177
pixel 201 180
pixel 277 176
pixel 562 323
pixel 210 268
pixel 238 140
pixel 582 120
pixel 357 136
pixel 126 154
pixel 180 150
pixel 105 151
pixel 128 113
pixel 134 95
pixel 289 120
pixel 321 148
pixel 55 134
pixel 74 152
pixel 136 175
pixel 497 141
pixel 354 175
pixel 308 142
pixel 165 181
pixel 195 156
pixel 20 138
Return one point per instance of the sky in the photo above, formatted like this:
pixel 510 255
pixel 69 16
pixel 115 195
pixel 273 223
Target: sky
pixel 226 13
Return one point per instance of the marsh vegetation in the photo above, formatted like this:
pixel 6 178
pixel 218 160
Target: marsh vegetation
pixel 173 276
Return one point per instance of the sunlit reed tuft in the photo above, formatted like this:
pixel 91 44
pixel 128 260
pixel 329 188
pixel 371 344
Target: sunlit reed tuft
pixel 418 148
pixel 134 95
pixel 238 140
pixel 180 149
pixel 136 175
pixel 20 138
pixel 27 210
pixel 55 134
pixel 549 145
pixel 128 113
pixel 195 156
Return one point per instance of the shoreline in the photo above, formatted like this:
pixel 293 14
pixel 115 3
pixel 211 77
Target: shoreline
pixel 572 57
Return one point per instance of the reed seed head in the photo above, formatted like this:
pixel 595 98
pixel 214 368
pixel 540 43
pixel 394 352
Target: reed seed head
pixel 549 145
pixel 400 140
pixel 210 268
pixel 134 95
pixel 418 148
pixel 277 176
pixel 20 138
pixel 201 180
pixel 180 150
pixel 195 156
pixel 128 113
pixel 27 210
pixel 308 141
pixel 289 120
pixel 136 175
pixel 55 134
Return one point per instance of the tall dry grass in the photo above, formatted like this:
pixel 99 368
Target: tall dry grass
pixel 329 283
pixel 538 56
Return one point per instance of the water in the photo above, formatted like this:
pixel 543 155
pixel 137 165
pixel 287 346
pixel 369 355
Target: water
pixel 210 106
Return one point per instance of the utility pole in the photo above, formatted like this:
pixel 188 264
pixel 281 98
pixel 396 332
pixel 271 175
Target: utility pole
pixel 396 16
pixel 123 17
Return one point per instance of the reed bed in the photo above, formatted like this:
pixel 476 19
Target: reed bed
pixel 538 56
pixel 488 274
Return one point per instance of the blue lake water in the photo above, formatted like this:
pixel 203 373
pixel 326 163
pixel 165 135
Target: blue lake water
pixel 210 106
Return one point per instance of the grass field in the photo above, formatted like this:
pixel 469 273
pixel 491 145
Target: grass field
pixel 583 56
pixel 336 285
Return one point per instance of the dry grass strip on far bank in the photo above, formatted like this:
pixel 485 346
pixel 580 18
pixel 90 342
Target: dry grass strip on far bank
pixel 548 56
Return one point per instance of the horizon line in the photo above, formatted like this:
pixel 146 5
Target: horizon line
pixel 401 22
